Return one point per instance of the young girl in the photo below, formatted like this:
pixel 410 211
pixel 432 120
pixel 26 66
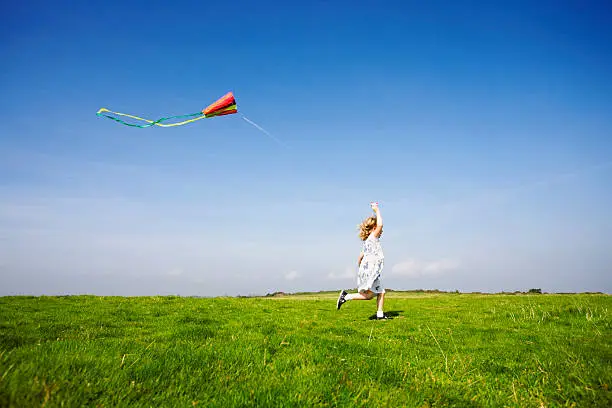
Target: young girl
pixel 371 262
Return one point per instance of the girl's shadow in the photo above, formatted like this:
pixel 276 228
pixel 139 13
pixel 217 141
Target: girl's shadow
pixel 390 315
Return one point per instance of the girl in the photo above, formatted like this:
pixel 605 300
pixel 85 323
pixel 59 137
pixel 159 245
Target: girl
pixel 370 263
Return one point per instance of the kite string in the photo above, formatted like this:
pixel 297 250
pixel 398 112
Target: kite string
pixel 262 130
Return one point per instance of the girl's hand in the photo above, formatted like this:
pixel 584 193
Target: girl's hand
pixel 374 206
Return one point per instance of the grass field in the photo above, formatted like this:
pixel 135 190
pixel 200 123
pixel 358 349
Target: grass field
pixel 437 350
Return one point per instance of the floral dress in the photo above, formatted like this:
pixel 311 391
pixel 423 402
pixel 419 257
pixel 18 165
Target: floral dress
pixel 370 269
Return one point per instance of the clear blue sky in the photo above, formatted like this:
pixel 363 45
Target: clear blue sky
pixel 484 130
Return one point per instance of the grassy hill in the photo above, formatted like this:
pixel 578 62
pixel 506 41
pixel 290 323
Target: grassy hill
pixel 439 349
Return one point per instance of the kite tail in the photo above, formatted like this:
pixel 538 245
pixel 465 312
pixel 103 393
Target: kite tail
pixel 158 122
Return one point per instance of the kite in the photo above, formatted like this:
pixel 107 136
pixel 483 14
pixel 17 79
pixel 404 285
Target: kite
pixel 226 105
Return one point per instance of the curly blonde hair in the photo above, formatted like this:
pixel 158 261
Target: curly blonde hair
pixel 366 227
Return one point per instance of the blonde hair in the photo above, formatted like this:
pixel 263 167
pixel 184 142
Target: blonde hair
pixel 366 227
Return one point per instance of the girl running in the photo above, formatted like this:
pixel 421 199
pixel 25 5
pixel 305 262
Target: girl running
pixel 371 262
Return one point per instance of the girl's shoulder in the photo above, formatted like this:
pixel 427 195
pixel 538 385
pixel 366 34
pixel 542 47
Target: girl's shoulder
pixel 371 237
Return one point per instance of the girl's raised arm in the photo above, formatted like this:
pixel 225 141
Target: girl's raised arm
pixel 379 220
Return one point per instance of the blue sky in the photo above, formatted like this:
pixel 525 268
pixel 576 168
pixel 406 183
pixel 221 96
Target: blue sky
pixel 484 130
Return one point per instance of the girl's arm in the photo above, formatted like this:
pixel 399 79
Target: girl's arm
pixel 379 221
pixel 360 259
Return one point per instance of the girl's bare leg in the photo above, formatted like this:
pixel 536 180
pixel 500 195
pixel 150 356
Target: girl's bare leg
pixel 360 296
pixel 380 301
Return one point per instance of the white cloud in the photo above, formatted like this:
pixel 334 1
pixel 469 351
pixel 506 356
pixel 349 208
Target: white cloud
pixel 349 273
pixel 292 275
pixel 415 268
pixel 175 272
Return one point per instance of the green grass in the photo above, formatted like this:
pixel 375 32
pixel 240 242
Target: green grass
pixel 458 350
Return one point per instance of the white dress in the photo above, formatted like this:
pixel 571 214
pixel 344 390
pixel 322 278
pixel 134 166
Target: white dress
pixel 370 269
